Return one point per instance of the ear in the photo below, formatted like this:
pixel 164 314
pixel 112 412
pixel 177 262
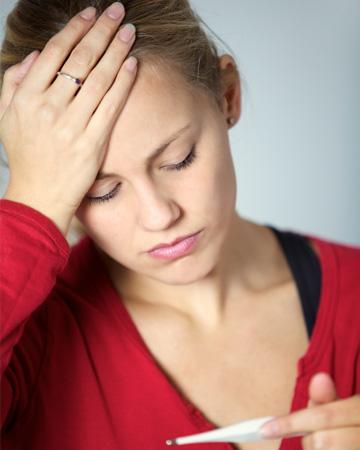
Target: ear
pixel 231 89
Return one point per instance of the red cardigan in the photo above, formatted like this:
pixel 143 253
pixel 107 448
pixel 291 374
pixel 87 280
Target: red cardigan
pixel 76 373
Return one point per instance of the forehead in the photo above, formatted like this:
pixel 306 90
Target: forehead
pixel 159 103
pixel 158 96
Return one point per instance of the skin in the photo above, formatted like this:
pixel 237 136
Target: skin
pixel 233 255
pixel 160 205
pixel 329 423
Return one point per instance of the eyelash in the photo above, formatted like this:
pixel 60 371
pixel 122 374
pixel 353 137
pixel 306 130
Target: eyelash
pixel 180 166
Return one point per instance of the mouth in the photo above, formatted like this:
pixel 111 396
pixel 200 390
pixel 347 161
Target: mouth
pixel 179 247
pixel 171 244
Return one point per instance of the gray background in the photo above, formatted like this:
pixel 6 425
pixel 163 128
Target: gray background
pixel 296 147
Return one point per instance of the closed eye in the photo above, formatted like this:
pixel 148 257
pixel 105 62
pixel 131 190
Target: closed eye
pixel 180 166
pixel 187 161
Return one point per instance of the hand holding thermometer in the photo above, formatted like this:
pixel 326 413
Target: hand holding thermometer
pixel 245 431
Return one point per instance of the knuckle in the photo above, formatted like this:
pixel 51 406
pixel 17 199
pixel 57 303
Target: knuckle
pixel 324 416
pixel 48 113
pixel 20 98
pixel 84 143
pixel 54 48
pixel 320 441
pixel 82 55
pixel 76 24
pixel 119 50
pixel 106 27
pixel 98 81
pixel 64 134
pixel 102 32
pixel 111 109
pixel 286 425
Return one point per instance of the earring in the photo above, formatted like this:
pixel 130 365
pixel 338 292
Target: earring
pixel 231 120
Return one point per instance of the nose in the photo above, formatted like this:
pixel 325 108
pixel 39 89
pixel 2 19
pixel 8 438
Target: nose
pixel 156 211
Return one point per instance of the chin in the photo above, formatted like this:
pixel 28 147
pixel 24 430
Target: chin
pixel 184 276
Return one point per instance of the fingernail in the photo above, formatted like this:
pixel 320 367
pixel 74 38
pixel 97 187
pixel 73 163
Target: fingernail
pixel 115 11
pixel 127 32
pixel 270 429
pixel 131 63
pixel 88 13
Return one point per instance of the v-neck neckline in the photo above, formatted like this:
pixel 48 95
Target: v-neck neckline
pixel 305 364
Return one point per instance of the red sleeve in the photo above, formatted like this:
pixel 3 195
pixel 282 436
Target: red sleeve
pixel 33 252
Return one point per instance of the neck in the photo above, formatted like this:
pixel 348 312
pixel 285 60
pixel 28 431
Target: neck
pixel 241 269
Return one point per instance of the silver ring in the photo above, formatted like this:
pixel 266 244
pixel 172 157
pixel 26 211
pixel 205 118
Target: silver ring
pixel 71 78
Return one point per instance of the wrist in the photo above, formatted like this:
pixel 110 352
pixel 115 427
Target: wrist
pixel 59 218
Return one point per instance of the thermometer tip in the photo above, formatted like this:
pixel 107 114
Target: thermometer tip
pixel 171 442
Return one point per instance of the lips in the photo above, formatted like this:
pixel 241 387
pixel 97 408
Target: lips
pixel 177 240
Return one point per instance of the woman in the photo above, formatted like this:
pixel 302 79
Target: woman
pixel 112 343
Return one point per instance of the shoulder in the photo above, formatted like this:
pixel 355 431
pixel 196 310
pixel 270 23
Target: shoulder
pixel 345 250
pixel 344 253
pixel 337 330
pixel 341 261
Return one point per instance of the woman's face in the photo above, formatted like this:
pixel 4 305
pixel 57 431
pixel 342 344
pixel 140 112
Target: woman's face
pixel 154 203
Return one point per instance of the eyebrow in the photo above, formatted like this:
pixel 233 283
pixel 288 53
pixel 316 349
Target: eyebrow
pixel 155 153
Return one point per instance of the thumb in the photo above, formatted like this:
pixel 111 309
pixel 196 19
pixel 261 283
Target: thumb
pixel 23 67
pixel 13 78
pixel 321 389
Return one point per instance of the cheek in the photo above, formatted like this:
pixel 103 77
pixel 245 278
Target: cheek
pixel 209 191
pixel 213 190
pixel 102 225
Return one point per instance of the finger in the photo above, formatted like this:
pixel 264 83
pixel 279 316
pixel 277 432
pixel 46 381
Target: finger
pixel 340 439
pixel 54 54
pixel 84 57
pixel 321 389
pixel 101 79
pixel 24 66
pixel 341 413
pixel 13 78
pixel 108 111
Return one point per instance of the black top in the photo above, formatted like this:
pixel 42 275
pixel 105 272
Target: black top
pixel 306 270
